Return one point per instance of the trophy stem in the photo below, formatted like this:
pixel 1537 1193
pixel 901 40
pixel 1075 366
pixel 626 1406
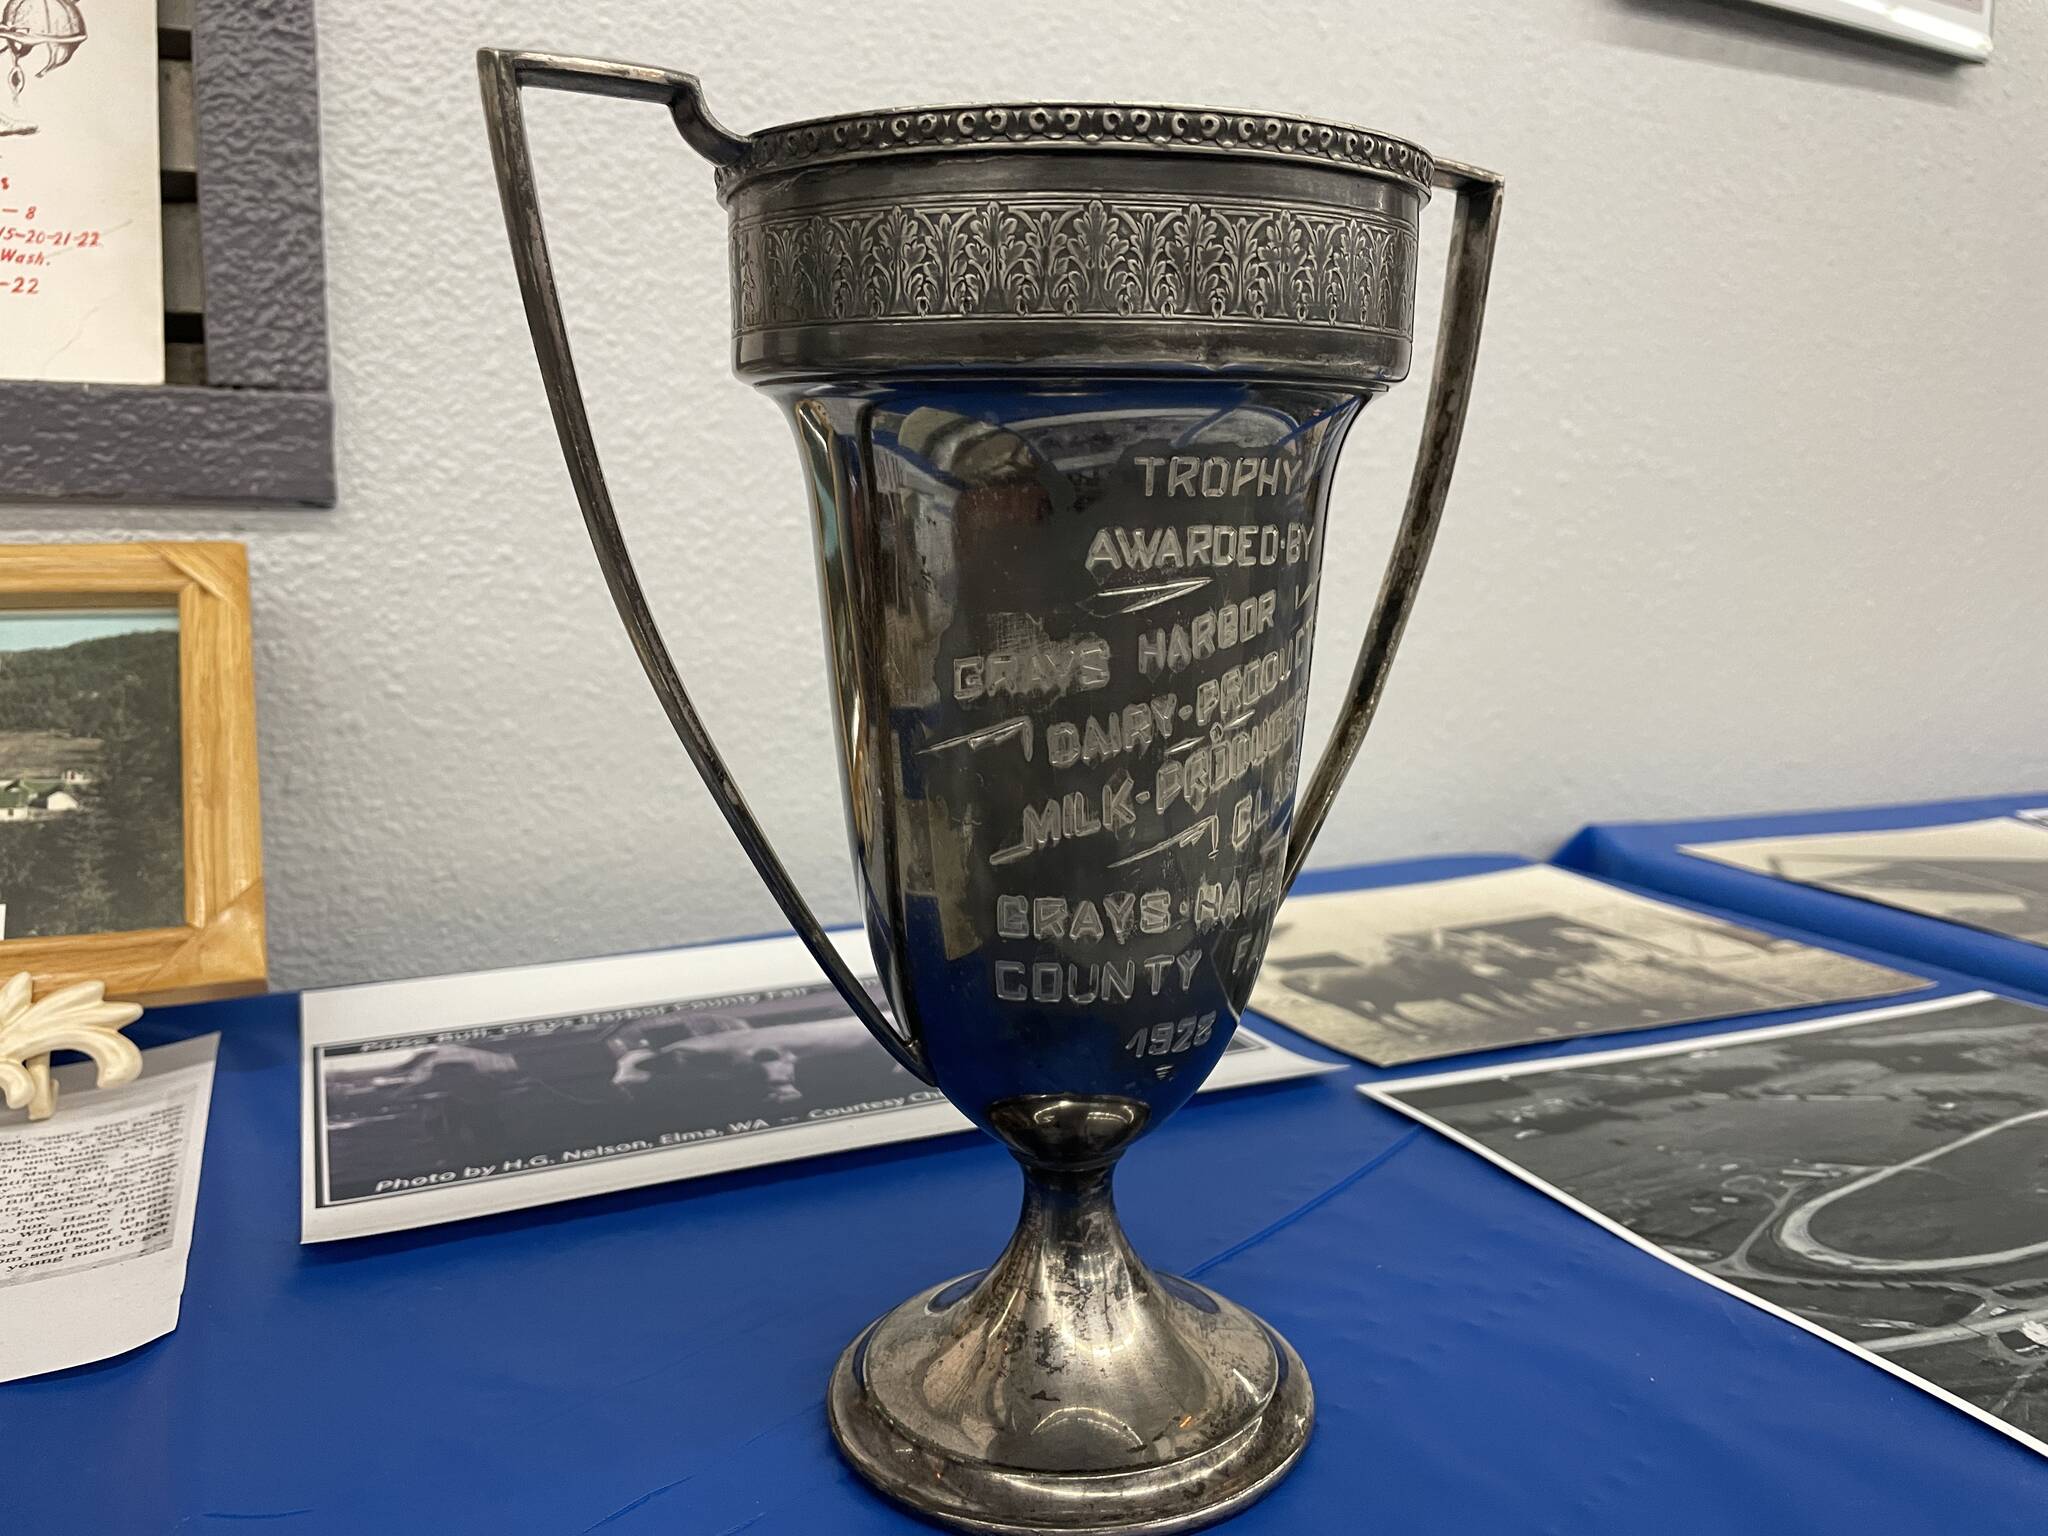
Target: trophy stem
pixel 1069 1245
pixel 1069 1388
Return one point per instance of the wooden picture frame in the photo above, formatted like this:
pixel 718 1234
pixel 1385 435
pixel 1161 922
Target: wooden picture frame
pixel 219 950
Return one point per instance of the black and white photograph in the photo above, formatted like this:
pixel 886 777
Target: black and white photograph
pixel 1990 874
pixel 92 824
pixel 1414 972
pixel 747 1060
pixel 1875 1177
pixel 493 1101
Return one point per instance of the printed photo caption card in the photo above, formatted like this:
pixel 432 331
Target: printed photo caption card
pixel 457 1096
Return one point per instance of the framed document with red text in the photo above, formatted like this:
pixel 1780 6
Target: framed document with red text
pixel 81 221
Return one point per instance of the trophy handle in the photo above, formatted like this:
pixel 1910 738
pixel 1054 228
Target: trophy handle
pixel 1476 224
pixel 503 73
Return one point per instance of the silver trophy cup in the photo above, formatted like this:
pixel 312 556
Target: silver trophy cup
pixel 1068 383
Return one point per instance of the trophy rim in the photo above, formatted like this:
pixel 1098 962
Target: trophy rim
pixel 1132 128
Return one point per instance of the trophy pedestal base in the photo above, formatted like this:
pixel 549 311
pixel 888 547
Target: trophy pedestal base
pixel 1070 1389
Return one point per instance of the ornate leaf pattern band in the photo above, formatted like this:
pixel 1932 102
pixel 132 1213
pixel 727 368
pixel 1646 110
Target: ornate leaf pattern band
pixel 1052 257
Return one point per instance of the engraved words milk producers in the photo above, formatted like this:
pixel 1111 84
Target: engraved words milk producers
pixel 1068 383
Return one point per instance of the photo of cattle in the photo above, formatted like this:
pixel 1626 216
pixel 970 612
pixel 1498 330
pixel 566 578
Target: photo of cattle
pixel 1414 972
pixel 1990 874
pixel 399 1114
pixel 1876 1177
pixel 510 1097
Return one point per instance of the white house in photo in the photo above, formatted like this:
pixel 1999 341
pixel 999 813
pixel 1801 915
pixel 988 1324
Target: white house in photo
pixel 35 799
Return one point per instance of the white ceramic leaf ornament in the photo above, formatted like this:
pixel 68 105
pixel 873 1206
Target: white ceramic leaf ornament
pixel 74 1018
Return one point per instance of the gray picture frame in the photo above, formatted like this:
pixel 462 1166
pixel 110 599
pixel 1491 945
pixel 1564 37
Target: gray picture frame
pixel 259 431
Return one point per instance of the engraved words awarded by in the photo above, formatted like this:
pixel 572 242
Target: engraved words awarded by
pixel 1145 734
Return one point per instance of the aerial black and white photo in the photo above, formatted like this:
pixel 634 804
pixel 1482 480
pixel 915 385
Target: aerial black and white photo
pixel 1877 1177
pixel 92 825
pixel 1413 972
pixel 1990 874
pixel 610 1097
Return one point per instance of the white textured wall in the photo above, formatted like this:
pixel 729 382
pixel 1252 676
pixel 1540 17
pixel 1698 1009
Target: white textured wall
pixel 1750 513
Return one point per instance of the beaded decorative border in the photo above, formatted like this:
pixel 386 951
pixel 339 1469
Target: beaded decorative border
pixel 1076 125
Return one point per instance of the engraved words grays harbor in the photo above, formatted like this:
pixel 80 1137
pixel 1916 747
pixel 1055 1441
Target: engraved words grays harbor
pixel 1132 845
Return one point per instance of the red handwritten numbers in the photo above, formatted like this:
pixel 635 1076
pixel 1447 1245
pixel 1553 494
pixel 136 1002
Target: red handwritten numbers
pixel 26 242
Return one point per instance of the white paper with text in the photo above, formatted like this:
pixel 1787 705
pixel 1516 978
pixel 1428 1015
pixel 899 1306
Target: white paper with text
pixel 96 1207
pixel 81 215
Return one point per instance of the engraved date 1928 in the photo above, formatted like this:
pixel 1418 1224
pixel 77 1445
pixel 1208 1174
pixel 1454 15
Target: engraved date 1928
pixel 1173 1037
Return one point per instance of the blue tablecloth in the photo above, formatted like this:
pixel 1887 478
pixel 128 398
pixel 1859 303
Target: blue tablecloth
pixel 1646 854
pixel 1485 1362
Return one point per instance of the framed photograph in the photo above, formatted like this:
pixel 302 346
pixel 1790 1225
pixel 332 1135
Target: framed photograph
pixel 1958 27
pixel 130 835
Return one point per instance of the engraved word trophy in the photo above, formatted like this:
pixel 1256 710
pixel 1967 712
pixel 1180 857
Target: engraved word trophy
pixel 1068 383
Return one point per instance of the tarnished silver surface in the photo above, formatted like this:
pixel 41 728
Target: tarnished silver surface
pixel 1068 383
pixel 1068 1387
pixel 1057 250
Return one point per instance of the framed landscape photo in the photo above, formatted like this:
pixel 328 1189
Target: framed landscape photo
pixel 1958 27
pixel 130 834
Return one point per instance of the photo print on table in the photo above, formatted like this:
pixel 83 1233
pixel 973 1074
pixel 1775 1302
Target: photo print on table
pixel 490 1102
pixel 1409 973
pixel 1873 1177
pixel 92 824
pixel 551 1082
pixel 1990 874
